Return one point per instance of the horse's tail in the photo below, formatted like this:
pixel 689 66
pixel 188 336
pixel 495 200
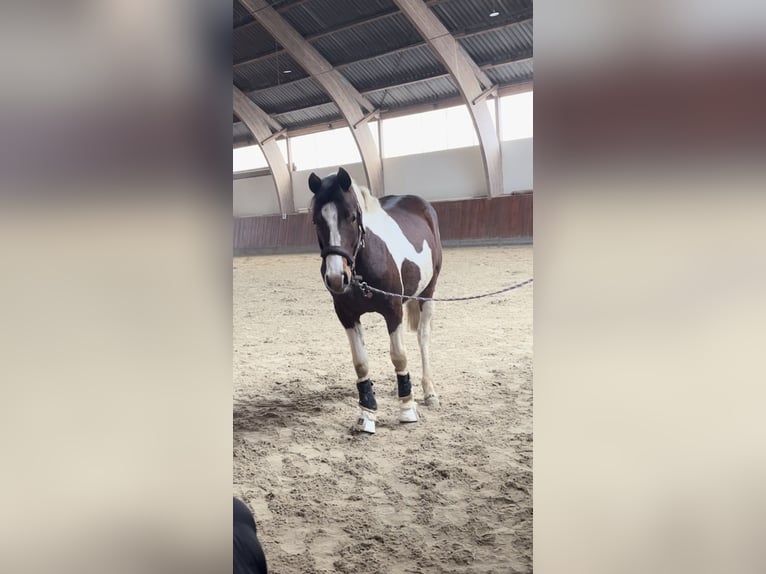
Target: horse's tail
pixel 413 314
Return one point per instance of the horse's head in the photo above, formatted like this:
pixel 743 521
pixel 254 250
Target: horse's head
pixel 337 219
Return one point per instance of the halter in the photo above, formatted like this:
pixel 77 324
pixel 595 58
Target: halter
pixel 338 250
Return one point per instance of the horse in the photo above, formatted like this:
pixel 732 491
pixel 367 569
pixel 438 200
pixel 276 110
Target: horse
pixel 391 243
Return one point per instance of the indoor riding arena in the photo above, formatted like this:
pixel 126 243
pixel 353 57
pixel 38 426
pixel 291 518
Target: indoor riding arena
pixel 426 98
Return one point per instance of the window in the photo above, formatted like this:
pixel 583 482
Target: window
pixel 326 149
pixel 251 157
pixel 248 158
pixel 516 116
pixel 424 132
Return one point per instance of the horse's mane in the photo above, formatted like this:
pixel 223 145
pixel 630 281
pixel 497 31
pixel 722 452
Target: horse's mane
pixel 368 202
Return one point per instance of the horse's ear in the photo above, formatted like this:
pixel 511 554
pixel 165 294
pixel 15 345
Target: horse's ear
pixel 314 182
pixel 344 180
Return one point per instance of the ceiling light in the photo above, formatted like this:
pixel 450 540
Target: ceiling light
pixel 287 71
pixel 494 13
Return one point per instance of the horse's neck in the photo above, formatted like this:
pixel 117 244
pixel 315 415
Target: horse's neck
pixel 368 260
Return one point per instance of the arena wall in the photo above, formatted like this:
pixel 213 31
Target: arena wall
pixel 453 180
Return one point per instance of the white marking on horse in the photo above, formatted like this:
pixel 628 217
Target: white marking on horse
pixel 377 220
pixel 424 340
pixel 398 352
pixel 358 354
pixel 334 262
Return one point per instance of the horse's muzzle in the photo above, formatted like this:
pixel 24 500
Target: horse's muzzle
pixel 338 283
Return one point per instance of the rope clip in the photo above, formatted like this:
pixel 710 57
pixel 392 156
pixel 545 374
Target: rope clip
pixel 363 287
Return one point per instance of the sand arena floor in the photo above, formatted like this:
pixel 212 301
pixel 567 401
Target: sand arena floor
pixel 451 493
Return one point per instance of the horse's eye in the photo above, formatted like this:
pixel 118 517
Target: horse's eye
pixel 353 217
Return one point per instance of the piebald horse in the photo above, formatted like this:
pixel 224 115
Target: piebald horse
pixel 393 244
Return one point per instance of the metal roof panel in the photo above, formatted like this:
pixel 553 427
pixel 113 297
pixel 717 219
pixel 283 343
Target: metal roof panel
pixel 251 40
pixel 241 15
pixel 426 91
pixel 309 116
pixel 242 135
pixel 367 39
pixel 315 16
pixel 405 66
pixel 290 96
pixel 513 73
pixel 470 15
pixel 500 45
pixel 269 72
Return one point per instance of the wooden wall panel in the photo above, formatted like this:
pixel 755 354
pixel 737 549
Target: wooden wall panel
pixel 505 217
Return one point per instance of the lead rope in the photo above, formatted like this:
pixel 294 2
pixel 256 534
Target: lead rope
pixel 368 290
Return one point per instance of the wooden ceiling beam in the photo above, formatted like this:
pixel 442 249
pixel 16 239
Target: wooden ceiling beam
pixel 468 78
pixel 259 123
pixel 353 106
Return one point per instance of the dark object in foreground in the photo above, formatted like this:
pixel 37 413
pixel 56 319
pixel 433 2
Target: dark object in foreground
pixel 248 554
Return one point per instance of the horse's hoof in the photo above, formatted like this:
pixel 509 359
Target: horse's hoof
pixel 431 401
pixel 409 412
pixel 366 422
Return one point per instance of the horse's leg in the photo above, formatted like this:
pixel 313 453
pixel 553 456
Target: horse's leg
pixel 350 321
pixel 407 406
pixel 424 340
pixel 355 336
pixel 366 420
